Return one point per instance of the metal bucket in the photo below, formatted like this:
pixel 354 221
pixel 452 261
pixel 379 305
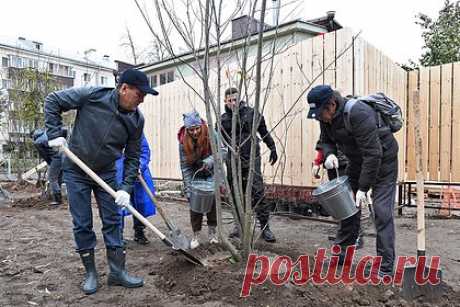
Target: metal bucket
pixel 202 197
pixel 336 197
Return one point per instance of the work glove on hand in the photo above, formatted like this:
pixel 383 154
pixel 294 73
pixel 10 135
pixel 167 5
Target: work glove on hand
pixel 122 198
pixel 361 199
pixel 57 143
pixel 315 171
pixel 273 157
pixel 331 162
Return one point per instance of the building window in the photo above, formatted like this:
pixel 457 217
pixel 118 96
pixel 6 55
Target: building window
pixel 170 76
pixel 103 80
pixel 162 78
pixel 86 77
pixel 6 83
pixel 154 81
pixel 5 62
pixel 51 67
pixel 16 61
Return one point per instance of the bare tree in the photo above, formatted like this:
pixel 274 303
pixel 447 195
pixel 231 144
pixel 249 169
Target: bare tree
pixel 128 42
pixel 201 28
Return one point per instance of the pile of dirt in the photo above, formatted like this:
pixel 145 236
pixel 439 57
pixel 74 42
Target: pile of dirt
pixel 220 281
pixel 21 186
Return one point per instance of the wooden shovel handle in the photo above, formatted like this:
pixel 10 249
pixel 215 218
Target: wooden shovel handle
pixel 420 177
pixel 154 199
pixel 109 190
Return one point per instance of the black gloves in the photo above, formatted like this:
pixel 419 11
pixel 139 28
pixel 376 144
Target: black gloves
pixel 273 157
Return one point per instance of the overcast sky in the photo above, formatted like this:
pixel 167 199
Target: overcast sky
pixel 100 24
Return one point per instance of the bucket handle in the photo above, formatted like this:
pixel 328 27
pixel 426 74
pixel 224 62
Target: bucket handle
pixel 200 170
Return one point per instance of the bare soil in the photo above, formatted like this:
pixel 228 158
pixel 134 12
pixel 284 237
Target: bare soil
pixel 38 265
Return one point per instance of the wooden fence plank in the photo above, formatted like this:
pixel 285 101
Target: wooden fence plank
pixel 446 122
pixel 410 145
pixel 330 58
pixel 344 63
pixel 456 124
pixel 305 75
pixel 433 141
pixel 358 69
pixel 424 103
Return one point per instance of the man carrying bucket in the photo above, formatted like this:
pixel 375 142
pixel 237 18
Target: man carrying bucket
pixel 372 152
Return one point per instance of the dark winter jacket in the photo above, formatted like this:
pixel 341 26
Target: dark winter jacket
pixel 101 131
pixel 368 149
pixel 243 131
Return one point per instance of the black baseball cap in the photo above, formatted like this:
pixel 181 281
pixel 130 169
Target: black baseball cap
pixel 317 98
pixel 138 79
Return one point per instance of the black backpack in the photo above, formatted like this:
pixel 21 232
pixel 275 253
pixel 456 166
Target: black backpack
pixel 387 111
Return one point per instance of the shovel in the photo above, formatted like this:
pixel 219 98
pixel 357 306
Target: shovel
pixel 144 221
pixel 410 288
pixel 177 236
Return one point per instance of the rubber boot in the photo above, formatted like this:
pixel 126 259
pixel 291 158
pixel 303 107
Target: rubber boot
pixel 118 276
pixel 89 285
pixel 140 237
pixel 56 199
pixel 267 234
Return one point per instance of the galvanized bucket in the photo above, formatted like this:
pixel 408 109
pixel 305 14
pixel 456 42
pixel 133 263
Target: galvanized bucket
pixel 202 196
pixel 336 197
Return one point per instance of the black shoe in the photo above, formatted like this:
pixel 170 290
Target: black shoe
pixel 118 276
pixel 89 285
pixel 140 237
pixel 267 234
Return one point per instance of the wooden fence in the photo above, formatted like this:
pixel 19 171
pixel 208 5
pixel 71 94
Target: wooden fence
pixel 351 65
pixel 439 88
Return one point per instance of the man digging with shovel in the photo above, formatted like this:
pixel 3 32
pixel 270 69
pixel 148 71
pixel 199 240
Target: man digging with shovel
pixel 108 123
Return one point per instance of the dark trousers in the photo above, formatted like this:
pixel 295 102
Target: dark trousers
pixel 55 174
pixel 383 196
pixel 197 219
pixel 258 193
pixel 79 188
pixel 383 200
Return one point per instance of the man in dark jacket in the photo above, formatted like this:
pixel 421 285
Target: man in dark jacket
pixel 108 123
pixel 244 125
pixel 372 152
pixel 54 161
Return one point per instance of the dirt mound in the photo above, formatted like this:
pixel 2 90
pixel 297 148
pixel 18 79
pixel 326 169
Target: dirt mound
pixel 220 281
pixel 21 186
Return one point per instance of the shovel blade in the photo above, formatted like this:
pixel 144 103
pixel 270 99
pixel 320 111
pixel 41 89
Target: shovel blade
pixel 412 290
pixel 179 240
pixel 189 257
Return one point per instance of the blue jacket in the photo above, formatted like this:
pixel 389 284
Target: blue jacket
pixel 139 198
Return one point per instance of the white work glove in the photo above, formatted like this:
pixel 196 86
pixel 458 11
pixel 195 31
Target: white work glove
pixel 361 199
pixel 122 198
pixel 57 143
pixel 315 171
pixel 331 162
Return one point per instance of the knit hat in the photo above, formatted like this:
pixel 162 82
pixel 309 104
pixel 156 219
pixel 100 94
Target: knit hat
pixel 192 119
